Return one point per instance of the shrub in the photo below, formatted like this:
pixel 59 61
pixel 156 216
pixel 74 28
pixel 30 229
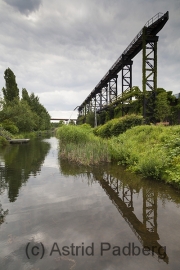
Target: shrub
pixel 79 144
pixel 117 126
pixel 3 141
pixel 10 127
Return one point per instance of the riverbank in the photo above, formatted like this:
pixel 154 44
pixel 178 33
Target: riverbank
pixel 79 144
pixel 5 135
pixel 152 151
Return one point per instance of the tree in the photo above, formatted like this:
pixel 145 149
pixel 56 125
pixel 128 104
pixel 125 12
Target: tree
pixel 38 108
pixel 61 123
pixel 11 90
pixel 162 107
pixel 25 96
pixel 19 112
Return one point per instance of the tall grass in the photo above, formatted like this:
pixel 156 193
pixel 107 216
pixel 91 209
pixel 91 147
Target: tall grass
pixel 153 151
pixel 79 144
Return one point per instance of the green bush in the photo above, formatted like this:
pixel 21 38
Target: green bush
pixel 6 134
pixel 11 128
pixel 3 141
pixel 153 151
pixel 73 134
pixel 79 144
pixel 117 126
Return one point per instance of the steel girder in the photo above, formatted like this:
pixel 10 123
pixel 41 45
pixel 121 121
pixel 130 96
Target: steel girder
pixel 113 89
pixel 128 196
pixel 149 71
pixel 126 74
pixel 150 211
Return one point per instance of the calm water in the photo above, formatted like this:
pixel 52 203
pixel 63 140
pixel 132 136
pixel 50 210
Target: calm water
pixel 56 215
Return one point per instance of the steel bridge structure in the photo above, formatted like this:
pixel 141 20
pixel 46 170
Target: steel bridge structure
pixel 146 230
pixel 105 93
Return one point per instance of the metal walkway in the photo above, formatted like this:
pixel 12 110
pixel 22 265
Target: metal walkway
pixel 105 91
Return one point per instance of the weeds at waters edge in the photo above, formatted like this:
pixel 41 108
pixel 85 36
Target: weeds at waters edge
pixel 153 151
pixel 80 145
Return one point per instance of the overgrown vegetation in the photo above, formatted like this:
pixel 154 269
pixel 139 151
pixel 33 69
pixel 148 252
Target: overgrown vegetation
pixel 162 106
pixel 21 115
pixel 80 145
pixel 3 141
pixel 153 151
pixel 117 126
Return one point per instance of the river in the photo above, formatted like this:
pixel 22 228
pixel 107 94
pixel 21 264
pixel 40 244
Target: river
pixel 57 215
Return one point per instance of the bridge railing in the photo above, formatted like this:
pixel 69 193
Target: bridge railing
pixel 154 19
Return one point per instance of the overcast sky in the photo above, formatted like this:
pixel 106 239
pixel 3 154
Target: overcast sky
pixel 60 49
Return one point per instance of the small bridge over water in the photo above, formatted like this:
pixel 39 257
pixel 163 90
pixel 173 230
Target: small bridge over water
pixel 66 120
pixel 106 92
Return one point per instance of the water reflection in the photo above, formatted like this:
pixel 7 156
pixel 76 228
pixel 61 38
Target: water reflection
pixel 93 206
pixel 17 163
pixel 122 193
pixel 122 197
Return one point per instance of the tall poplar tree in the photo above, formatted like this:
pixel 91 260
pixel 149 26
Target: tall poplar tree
pixel 10 91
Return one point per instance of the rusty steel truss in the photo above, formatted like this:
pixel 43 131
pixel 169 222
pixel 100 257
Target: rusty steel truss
pixel 106 92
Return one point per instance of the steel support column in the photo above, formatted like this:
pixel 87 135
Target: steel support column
pixel 113 89
pixel 104 93
pixel 128 196
pixel 150 211
pixel 99 100
pixel 126 74
pixel 149 71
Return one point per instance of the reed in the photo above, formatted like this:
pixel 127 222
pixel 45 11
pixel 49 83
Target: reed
pixel 80 145
pixel 153 151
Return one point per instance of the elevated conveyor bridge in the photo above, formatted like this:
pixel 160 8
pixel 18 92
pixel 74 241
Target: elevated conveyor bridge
pixel 106 90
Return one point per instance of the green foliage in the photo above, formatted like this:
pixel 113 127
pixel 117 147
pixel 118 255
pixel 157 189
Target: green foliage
pixel 153 151
pixel 26 114
pixel 3 141
pixel 10 126
pixel 90 119
pixel 11 90
pixel 73 134
pixel 71 122
pixel 162 107
pixel 20 114
pixel 86 126
pixel 117 126
pixel 6 134
pixel 81 119
pixel 78 144
pixel 61 123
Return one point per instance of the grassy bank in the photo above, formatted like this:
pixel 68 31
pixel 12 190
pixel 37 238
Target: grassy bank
pixel 153 151
pixel 80 145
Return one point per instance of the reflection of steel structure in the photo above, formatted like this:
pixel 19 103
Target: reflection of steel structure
pixel 105 91
pixel 121 196
pixel 150 210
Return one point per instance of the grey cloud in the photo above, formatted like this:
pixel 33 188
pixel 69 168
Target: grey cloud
pixel 24 6
pixel 70 45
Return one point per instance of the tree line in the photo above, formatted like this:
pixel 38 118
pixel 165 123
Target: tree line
pixel 21 114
